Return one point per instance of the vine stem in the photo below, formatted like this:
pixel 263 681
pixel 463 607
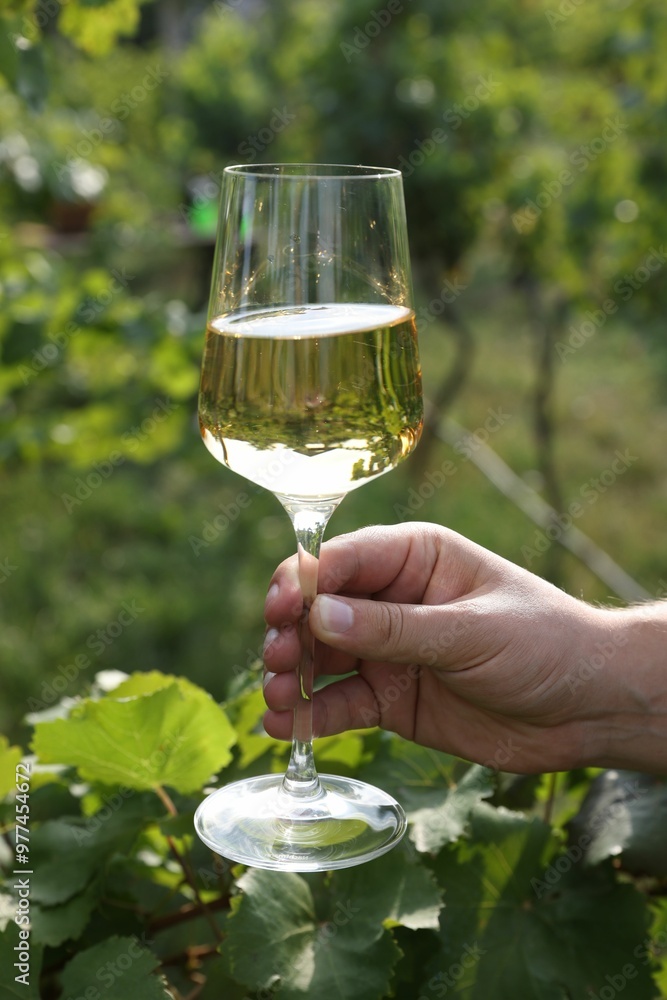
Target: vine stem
pixel 309 521
pixel 184 863
pixel 189 911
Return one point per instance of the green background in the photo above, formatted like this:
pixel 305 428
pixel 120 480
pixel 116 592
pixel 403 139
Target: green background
pixel 531 137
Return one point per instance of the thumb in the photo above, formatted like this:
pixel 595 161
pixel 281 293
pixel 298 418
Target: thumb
pixel 398 633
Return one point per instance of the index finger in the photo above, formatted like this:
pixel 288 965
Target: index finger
pixel 389 562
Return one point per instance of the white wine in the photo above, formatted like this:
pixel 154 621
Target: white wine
pixel 312 401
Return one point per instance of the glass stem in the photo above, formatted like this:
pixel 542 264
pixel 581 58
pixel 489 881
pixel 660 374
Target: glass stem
pixel 309 521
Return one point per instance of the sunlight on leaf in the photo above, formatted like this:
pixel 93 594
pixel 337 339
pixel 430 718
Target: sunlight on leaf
pixel 170 732
pixel 9 758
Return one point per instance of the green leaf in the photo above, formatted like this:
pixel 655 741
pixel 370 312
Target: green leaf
pixel 625 814
pixel 52 925
pixel 32 83
pixel 277 938
pixel 174 734
pixel 69 853
pixel 437 791
pixel 9 30
pixel 341 753
pixel 246 712
pixel 147 683
pixel 95 28
pixel 394 890
pixel 9 988
pixel 656 945
pixel 219 983
pixel 119 968
pixel 510 930
pixel 9 758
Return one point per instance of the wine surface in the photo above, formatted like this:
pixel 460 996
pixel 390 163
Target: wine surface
pixel 312 401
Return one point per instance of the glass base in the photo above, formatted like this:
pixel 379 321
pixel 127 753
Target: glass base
pixel 257 823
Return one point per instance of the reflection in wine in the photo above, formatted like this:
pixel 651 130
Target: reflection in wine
pixel 313 401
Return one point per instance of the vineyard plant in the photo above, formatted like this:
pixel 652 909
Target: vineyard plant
pixel 484 898
pixel 133 569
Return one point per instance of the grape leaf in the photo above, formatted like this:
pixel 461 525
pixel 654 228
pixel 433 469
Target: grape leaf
pixel 509 930
pixel 400 890
pixel 53 925
pixel 174 734
pixel 656 945
pixel 119 968
pixel 32 83
pixel 278 939
pixel 95 29
pixel 148 683
pixel 27 989
pixel 437 791
pixel 9 758
pixel 624 814
pixel 68 853
pixel 219 982
pixel 342 753
pixel 10 30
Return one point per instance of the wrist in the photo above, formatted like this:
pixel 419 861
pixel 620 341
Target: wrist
pixel 622 683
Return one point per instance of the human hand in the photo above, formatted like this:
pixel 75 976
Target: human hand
pixel 446 644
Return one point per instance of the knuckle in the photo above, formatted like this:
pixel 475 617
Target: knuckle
pixel 390 624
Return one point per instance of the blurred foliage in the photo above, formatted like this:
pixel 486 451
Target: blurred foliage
pixel 109 163
pixel 479 897
pixel 531 138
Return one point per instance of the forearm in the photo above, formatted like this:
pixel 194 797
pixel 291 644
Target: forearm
pixel 628 694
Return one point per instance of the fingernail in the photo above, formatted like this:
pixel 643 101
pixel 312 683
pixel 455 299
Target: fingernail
pixel 268 676
pixel 335 615
pixel 270 637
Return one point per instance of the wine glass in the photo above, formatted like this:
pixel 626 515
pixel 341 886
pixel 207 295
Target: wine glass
pixel 310 387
